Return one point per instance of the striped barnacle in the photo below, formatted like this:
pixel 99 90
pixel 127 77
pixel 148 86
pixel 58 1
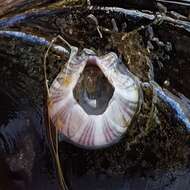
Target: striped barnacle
pixel 87 110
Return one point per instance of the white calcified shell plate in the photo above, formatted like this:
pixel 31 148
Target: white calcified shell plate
pixel 77 124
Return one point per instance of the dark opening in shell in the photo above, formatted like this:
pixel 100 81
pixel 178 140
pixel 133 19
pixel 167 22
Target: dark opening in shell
pixel 93 91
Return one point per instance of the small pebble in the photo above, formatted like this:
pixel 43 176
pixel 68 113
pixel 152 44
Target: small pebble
pixel 166 83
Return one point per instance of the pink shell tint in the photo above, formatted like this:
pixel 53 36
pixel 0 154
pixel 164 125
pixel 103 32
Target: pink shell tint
pixel 73 122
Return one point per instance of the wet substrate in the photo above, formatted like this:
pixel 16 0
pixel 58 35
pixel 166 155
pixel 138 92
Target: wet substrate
pixel 156 140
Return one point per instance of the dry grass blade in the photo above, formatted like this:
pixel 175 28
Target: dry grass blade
pixel 53 139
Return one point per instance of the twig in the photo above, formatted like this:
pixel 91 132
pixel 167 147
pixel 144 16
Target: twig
pixel 33 39
pixel 177 2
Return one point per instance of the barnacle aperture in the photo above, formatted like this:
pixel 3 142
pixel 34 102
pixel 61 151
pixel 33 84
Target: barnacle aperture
pixel 93 100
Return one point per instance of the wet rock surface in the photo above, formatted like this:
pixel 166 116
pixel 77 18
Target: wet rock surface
pixel 156 145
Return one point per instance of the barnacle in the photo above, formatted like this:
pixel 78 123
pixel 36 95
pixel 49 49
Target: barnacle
pixel 92 122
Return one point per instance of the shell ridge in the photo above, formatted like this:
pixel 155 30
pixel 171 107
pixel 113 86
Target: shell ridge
pixel 94 130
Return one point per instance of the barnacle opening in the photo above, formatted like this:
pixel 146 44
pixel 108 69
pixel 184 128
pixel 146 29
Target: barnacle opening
pixel 93 90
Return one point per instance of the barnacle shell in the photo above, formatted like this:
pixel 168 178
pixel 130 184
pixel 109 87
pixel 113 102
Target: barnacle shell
pixel 76 124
